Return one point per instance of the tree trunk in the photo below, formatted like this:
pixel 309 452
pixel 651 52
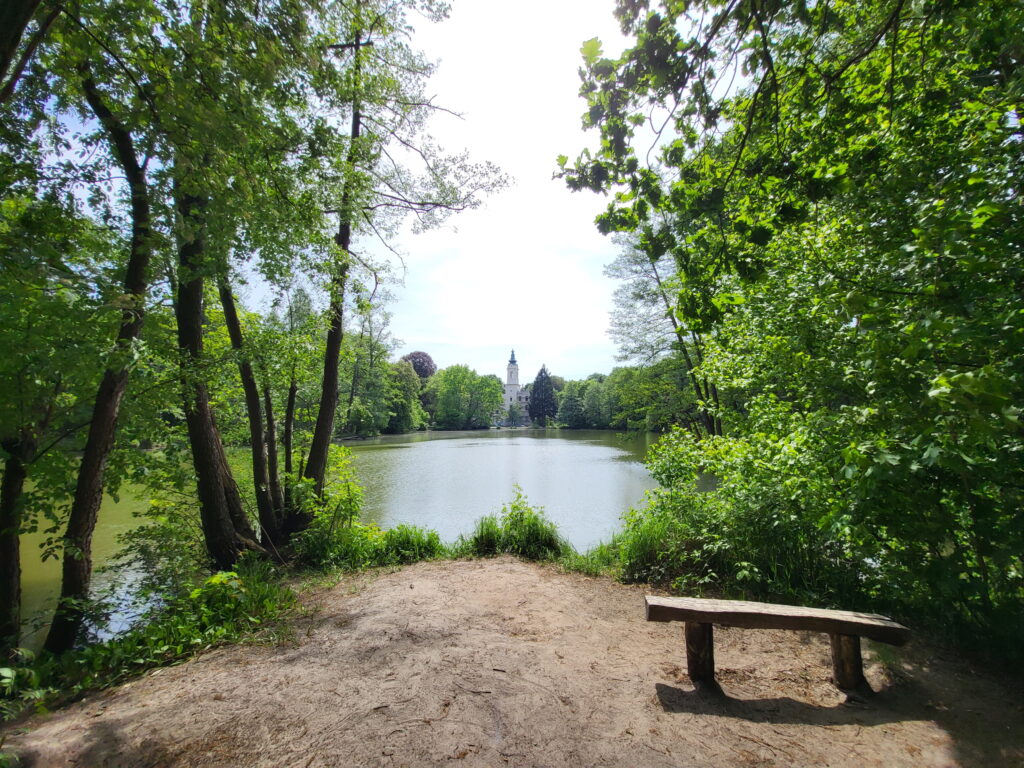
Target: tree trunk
pixel 352 389
pixel 286 442
pixel 76 566
pixel 15 16
pixel 219 504
pixel 10 548
pixel 276 495
pixel 316 462
pixel 260 474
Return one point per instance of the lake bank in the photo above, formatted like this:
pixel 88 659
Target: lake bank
pixel 445 481
pixel 501 662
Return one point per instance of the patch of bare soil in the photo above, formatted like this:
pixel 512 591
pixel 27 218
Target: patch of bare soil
pixel 499 662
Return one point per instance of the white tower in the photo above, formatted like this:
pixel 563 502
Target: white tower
pixel 512 382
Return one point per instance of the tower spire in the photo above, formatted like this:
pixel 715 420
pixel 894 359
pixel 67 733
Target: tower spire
pixel 512 360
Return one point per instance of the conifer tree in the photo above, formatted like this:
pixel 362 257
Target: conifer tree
pixel 543 405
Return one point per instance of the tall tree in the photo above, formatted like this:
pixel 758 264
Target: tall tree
pixel 422 363
pixel 465 399
pixel 377 190
pixel 76 562
pixel 543 407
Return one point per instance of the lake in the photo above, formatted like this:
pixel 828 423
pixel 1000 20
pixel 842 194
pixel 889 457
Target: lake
pixel 584 480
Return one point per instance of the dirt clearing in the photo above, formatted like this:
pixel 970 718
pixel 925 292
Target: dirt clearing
pixel 504 663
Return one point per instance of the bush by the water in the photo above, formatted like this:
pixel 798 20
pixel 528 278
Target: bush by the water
pixel 521 530
pixel 784 524
pixel 355 545
pixel 224 607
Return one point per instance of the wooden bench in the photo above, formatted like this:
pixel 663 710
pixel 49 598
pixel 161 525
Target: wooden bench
pixel 844 628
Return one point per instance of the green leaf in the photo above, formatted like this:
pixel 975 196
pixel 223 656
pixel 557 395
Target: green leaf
pixel 591 50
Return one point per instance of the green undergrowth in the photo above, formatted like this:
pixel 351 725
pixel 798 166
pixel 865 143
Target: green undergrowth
pixel 226 607
pixel 519 530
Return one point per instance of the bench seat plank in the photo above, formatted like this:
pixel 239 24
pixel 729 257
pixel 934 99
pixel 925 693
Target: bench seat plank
pixel 741 613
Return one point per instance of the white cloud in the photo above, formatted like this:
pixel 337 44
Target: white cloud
pixel 526 269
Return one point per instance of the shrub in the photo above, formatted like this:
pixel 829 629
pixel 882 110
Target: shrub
pixel 600 561
pixel 224 607
pixel 526 532
pixel 484 541
pixel 522 530
pixel 409 544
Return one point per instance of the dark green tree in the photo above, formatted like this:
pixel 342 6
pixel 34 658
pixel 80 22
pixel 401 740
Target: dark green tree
pixel 422 363
pixel 543 405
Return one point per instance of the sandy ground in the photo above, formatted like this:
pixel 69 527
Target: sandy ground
pixel 504 663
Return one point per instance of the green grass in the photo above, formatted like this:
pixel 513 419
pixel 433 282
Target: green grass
pixel 521 530
pixel 225 608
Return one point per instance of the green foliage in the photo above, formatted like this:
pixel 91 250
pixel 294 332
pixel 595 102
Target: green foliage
pixel 543 406
pixel 405 411
pixel 602 560
pixel 357 546
pixel 409 544
pixel 464 399
pixel 842 234
pixel 225 607
pixel 570 405
pixel 522 530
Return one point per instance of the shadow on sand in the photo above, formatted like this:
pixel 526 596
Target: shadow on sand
pixel 979 742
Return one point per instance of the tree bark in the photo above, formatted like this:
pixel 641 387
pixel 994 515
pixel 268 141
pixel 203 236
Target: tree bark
pixel 223 519
pixel 316 462
pixel 14 22
pixel 286 442
pixel 323 431
pixel 10 547
pixel 260 473
pixel 76 566
pixel 276 494
pixel 15 16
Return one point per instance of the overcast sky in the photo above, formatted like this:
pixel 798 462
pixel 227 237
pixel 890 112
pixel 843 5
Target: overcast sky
pixel 524 270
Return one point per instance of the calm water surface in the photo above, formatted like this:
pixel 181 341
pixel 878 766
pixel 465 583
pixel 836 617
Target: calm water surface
pixel 584 479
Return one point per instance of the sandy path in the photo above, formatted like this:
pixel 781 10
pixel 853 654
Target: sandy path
pixel 498 662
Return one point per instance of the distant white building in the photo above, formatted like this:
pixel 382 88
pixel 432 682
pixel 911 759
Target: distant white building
pixel 513 392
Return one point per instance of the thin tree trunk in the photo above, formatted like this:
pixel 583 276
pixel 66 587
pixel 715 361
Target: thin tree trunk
pixel 76 566
pixel 352 389
pixel 15 16
pixel 260 474
pixel 10 21
pixel 316 463
pixel 706 418
pixel 286 441
pixel 10 548
pixel 276 495
pixel 323 431
pixel 219 504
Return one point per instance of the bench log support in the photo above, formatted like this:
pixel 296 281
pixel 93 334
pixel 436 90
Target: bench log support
pixel 847 666
pixel 700 651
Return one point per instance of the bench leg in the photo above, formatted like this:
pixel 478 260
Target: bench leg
pixel 700 652
pixel 847 667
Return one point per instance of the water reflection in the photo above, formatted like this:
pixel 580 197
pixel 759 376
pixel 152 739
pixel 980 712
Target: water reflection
pixel 585 479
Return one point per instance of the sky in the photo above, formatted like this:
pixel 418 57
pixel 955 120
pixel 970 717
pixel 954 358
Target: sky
pixel 524 271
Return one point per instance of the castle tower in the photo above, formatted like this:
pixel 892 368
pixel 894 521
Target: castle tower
pixel 513 372
pixel 513 392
